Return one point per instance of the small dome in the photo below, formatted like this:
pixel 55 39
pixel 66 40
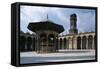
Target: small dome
pixel 73 15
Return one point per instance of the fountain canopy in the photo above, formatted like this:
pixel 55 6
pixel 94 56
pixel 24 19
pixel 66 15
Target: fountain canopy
pixel 45 25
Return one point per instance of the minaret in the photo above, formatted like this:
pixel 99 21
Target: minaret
pixel 73 24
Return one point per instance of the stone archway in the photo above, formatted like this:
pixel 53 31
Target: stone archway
pixel 43 39
pixel 60 43
pixel 79 42
pixel 43 42
pixel 90 39
pixel 84 39
pixel 69 42
pixel 95 42
pixel 65 43
pixel 51 43
pixel 51 39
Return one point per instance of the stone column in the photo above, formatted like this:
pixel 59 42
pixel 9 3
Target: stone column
pixel 81 43
pixel 75 43
pixel 86 42
pixel 67 43
pixel 70 43
pixel 62 43
pixel 47 45
pixel 58 44
pixel 55 43
pixel 37 43
pixel 93 43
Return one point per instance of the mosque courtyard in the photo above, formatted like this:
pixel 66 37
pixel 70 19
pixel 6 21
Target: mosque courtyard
pixel 62 55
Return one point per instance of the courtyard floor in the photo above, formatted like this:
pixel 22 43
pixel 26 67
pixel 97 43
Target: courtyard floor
pixel 63 55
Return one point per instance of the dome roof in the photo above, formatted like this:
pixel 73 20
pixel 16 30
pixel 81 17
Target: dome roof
pixel 73 15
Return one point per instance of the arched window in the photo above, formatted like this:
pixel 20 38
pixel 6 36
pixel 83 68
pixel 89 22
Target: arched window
pixel 43 42
pixel 43 38
pixel 51 39
pixel 69 42
pixel 51 43
pixel 65 43
pixel 78 42
pixel 84 42
pixel 90 39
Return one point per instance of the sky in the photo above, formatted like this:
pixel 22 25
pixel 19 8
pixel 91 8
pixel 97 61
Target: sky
pixel 61 16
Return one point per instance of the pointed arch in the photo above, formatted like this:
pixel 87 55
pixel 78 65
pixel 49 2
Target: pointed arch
pixel 84 42
pixel 65 43
pixel 79 42
pixel 60 43
pixel 90 39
